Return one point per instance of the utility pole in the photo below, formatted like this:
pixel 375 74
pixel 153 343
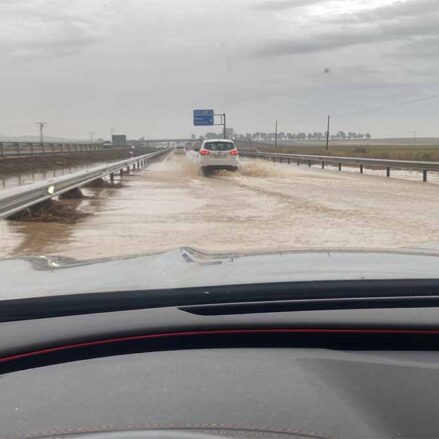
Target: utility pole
pixel 41 125
pixel 275 138
pixel 327 133
pixel 224 122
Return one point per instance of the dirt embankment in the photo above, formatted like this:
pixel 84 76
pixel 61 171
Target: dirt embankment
pixel 14 166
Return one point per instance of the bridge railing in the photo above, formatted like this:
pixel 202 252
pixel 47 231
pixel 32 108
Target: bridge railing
pixel 22 197
pixel 339 161
pixel 20 149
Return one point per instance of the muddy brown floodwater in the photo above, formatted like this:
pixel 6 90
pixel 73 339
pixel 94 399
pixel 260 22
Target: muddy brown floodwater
pixel 265 206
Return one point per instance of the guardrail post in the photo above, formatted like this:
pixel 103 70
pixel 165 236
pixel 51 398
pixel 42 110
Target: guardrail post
pixel 18 148
pixel 121 172
pixel 111 178
pixel 339 166
pixel 424 175
pixel 32 148
pixel 288 161
pixel 298 162
pixel 361 169
pixel 128 170
pixel 323 165
pixel 2 149
pixel 309 163
pixel 388 171
pixel 53 148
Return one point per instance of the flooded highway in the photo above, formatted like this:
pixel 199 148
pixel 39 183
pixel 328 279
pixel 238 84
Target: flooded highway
pixel 265 206
pixel 20 179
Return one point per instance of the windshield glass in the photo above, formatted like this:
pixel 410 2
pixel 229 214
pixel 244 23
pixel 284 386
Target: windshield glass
pixel 332 106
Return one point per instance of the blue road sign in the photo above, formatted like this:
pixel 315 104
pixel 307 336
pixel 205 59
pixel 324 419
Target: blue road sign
pixel 203 117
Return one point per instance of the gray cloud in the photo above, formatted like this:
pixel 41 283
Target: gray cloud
pixel 278 5
pixel 379 26
pixel 45 29
pixel 395 11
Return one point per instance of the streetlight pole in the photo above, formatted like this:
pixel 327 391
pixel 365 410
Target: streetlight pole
pixel 41 125
pixel 327 133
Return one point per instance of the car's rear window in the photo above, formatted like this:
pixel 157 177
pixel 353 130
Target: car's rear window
pixel 219 146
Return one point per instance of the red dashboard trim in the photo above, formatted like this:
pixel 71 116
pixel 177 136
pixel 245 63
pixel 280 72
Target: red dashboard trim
pixel 214 332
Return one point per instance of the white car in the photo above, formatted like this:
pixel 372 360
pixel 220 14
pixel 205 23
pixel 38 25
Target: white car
pixel 179 149
pixel 218 154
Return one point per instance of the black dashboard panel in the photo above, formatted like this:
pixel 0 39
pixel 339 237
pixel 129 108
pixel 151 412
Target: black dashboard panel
pixel 311 392
pixel 51 332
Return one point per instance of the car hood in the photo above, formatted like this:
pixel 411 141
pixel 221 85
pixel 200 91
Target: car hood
pixel 185 267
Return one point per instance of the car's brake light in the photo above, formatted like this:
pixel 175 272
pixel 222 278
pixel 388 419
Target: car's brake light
pixel 234 152
pixel 204 152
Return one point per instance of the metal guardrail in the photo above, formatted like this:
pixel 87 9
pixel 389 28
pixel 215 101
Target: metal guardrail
pixel 22 197
pixel 24 149
pixel 421 166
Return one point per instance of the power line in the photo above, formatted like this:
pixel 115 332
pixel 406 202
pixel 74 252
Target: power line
pixel 370 110
pixel 385 107
pixel 15 123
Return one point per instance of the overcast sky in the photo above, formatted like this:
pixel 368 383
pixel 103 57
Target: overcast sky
pixel 141 66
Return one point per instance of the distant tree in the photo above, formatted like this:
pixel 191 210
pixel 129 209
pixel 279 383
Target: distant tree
pixel 211 135
pixel 368 136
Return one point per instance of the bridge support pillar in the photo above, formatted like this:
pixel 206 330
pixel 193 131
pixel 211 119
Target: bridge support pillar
pixel 72 194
